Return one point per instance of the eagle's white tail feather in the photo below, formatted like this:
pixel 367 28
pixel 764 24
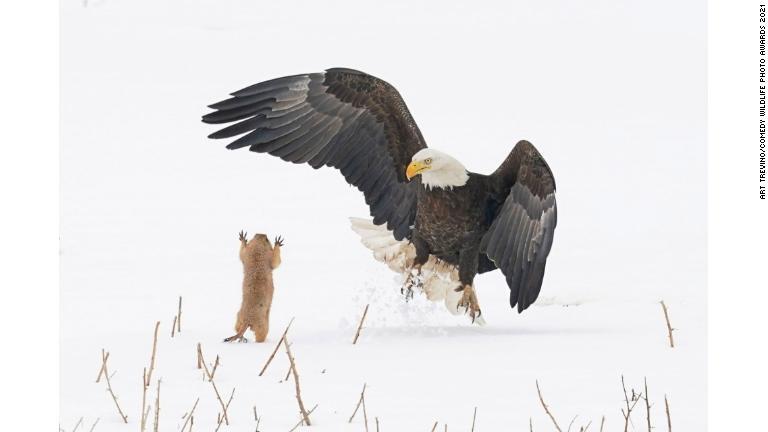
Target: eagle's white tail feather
pixel 440 278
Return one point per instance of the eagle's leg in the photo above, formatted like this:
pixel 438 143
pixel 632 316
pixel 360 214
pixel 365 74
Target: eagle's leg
pixel 468 263
pixel 414 278
pixel 469 301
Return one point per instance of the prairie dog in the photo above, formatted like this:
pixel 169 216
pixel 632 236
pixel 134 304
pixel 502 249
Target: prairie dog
pixel 259 258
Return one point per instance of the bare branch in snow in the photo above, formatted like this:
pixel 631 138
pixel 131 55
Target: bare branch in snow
pixel 215 366
pixel 647 404
pixel 178 316
pixel 199 356
pixel 359 402
pixel 669 326
pixel 226 407
pixel 144 409
pixel 189 416
pixel 152 359
pixel 104 358
pixel 571 423
pixel 271 356
pixel 360 326
pixel 213 383
pixel 77 425
pixel 546 408
pixel 157 406
pixel 107 378
pixel 303 410
pixel 301 421
pixel 634 399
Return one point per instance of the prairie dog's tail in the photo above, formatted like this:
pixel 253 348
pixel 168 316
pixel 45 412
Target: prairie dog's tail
pixel 440 279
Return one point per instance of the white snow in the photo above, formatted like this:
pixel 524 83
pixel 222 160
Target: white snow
pixel 612 95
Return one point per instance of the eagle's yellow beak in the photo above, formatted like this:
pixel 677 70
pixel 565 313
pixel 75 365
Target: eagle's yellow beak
pixel 415 168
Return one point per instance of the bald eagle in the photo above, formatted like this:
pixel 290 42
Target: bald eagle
pixel 429 212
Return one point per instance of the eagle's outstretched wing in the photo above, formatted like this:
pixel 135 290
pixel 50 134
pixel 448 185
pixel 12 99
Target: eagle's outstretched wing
pixel 340 118
pixel 520 237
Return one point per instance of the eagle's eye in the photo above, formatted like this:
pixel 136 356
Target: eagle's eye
pixel 428 161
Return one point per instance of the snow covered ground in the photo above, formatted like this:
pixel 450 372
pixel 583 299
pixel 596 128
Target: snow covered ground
pixel 612 95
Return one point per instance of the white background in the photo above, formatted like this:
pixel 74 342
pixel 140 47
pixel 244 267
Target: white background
pixel 429 115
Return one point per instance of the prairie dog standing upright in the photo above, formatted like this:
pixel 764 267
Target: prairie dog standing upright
pixel 259 258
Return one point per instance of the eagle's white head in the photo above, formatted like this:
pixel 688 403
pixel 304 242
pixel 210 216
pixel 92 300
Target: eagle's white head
pixel 437 169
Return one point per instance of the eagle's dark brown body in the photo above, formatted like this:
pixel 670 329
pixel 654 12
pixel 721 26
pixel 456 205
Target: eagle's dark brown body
pixel 465 214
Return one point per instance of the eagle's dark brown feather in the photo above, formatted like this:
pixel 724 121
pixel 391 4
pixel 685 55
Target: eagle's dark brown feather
pixel 520 238
pixel 341 118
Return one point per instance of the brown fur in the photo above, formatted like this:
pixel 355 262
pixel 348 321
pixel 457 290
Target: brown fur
pixel 259 258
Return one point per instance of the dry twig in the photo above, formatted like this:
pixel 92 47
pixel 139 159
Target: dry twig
pixel 288 374
pixel 669 326
pixel 303 410
pixel 434 428
pixel 647 404
pixel 669 419
pixel 474 416
pixel 104 357
pixel 213 383
pixel 152 359
pixel 360 326
pixel 359 402
pixel 173 327
pixel 94 425
pixel 178 316
pixel 628 413
pixel 144 408
pixel 546 408
pixel 189 416
pixel 215 366
pixel 256 418
pixel 199 357
pixel 77 425
pixel 157 406
pixel 571 423
pixel 302 419
pixel 271 356
pixel 226 407
pixel 602 423
pixel 365 415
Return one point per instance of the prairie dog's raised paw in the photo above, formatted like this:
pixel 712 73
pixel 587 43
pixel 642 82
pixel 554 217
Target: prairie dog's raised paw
pixel 279 241
pixel 243 236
